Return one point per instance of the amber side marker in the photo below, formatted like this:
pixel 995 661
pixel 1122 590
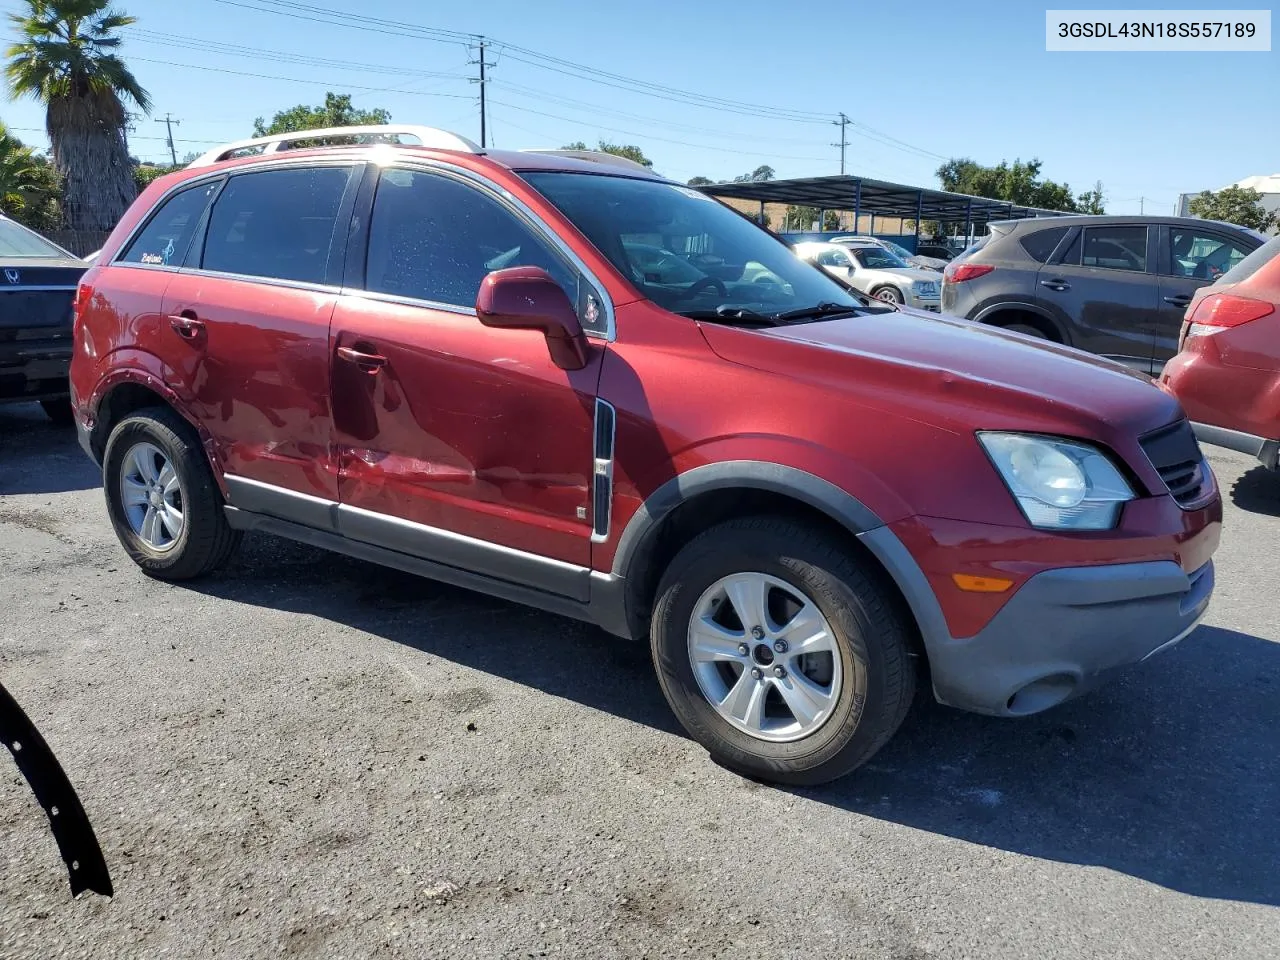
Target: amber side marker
pixel 974 584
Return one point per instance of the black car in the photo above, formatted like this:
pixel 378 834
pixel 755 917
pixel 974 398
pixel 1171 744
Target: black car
pixel 37 286
pixel 935 251
pixel 1112 285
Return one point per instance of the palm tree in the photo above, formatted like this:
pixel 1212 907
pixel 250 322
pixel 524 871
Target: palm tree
pixel 65 60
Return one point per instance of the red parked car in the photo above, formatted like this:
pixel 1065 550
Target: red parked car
pixel 568 382
pixel 1227 371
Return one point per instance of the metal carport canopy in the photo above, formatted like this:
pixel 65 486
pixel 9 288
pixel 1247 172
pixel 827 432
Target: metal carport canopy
pixel 879 197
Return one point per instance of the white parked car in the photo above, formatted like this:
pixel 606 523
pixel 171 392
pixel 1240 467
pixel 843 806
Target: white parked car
pixel 912 259
pixel 877 272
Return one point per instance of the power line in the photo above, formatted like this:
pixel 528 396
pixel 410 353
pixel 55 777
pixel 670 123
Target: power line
pixel 643 136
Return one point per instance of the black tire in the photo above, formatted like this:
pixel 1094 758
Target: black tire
pixel 59 411
pixel 889 294
pixel 870 631
pixel 207 540
pixel 1025 328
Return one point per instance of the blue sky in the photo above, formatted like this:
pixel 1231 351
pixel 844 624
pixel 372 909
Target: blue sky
pixel 923 81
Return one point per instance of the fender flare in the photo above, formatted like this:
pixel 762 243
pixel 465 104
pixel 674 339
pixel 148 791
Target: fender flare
pixel 820 494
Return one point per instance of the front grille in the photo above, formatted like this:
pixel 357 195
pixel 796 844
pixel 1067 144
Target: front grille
pixel 1175 453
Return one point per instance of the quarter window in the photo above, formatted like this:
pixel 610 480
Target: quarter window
pixel 1116 248
pixel 1041 244
pixel 434 238
pixel 164 240
pixel 276 223
pixel 1201 256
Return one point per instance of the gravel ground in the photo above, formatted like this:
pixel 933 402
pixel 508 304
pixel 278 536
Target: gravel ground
pixel 308 756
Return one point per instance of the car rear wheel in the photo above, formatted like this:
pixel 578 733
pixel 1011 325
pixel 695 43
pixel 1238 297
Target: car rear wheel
pixel 889 295
pixel 162 498
pixel 780 652
pixel 59 411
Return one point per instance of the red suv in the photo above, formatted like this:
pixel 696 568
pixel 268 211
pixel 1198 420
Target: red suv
pixel 565 381
pixel 1227 371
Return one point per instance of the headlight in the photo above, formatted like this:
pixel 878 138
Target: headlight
pixel 1059 484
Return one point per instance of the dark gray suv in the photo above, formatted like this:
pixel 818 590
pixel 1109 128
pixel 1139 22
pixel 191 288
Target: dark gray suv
pixel 1114 286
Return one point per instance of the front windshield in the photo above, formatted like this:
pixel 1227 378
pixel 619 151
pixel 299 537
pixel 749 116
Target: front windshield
pixel 902 252
pixel 685 251
pixel 17 241
pixel 877 258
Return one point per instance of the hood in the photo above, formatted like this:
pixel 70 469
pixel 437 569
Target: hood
pixel 957 374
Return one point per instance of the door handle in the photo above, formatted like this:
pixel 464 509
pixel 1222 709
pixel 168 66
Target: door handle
pixel 368 362
pixel 186 325
pixel 1181 300
pixel 1055 284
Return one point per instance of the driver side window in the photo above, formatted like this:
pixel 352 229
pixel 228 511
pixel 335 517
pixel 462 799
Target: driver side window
pixel 434 238
pixel 833 258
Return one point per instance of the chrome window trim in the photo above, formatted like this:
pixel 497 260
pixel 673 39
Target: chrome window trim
pixel 520 209
pixel 360 293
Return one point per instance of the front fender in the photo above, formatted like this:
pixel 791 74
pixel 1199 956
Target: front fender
pixel 836 485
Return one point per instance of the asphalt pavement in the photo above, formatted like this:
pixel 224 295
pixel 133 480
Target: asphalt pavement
pixel 308 756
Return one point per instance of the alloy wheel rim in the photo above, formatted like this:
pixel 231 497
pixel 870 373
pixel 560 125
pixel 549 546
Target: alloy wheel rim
pixel 152 497
pixel 765 657
pixel 887 296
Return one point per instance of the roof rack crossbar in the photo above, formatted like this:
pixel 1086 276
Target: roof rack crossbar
pixel 425 136
pixel 594 156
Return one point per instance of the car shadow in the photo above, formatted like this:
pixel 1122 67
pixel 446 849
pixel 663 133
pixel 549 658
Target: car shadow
pixel 1258 491
pixel 39 456
pixel 1170 774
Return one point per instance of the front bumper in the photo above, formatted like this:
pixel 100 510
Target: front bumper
pixel 1067 630
pixel 33 365
pixel 931 304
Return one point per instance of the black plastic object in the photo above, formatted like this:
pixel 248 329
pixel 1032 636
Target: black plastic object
pixel 86 867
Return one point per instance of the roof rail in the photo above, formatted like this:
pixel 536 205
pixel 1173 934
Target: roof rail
pixel 595 156
pixel 425 136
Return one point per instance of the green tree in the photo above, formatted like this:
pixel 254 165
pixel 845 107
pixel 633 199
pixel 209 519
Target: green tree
pixel 1091 201
pixel 1237 205
pixel 803 218
pixel 1016 182
pixel 30 188
pixel 759 174
pixel 336 111
pixel 700 181
pixel 65 59
pixel 627 150
pixel 145 173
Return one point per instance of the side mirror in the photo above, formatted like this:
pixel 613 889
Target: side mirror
pixel 526 298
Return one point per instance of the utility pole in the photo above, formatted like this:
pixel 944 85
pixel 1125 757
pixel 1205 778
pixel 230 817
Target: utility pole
pixel 483 63
pixel 844 141
pixel 168 122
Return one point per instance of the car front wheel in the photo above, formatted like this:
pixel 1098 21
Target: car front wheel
pixel 780 652
pixel 890 295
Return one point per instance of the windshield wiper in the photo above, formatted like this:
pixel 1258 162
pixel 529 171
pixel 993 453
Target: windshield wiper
pixel 825 309
pixel 725 312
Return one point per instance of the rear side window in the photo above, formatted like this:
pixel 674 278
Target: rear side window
pixel 1041 244
pixel 164 240
pixel 1115 248
pixel 1254 262
pixel 434 238
pixel 277 224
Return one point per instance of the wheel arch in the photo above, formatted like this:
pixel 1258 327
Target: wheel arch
pixel 1009 310
pixel 131 392
pixel 697 500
